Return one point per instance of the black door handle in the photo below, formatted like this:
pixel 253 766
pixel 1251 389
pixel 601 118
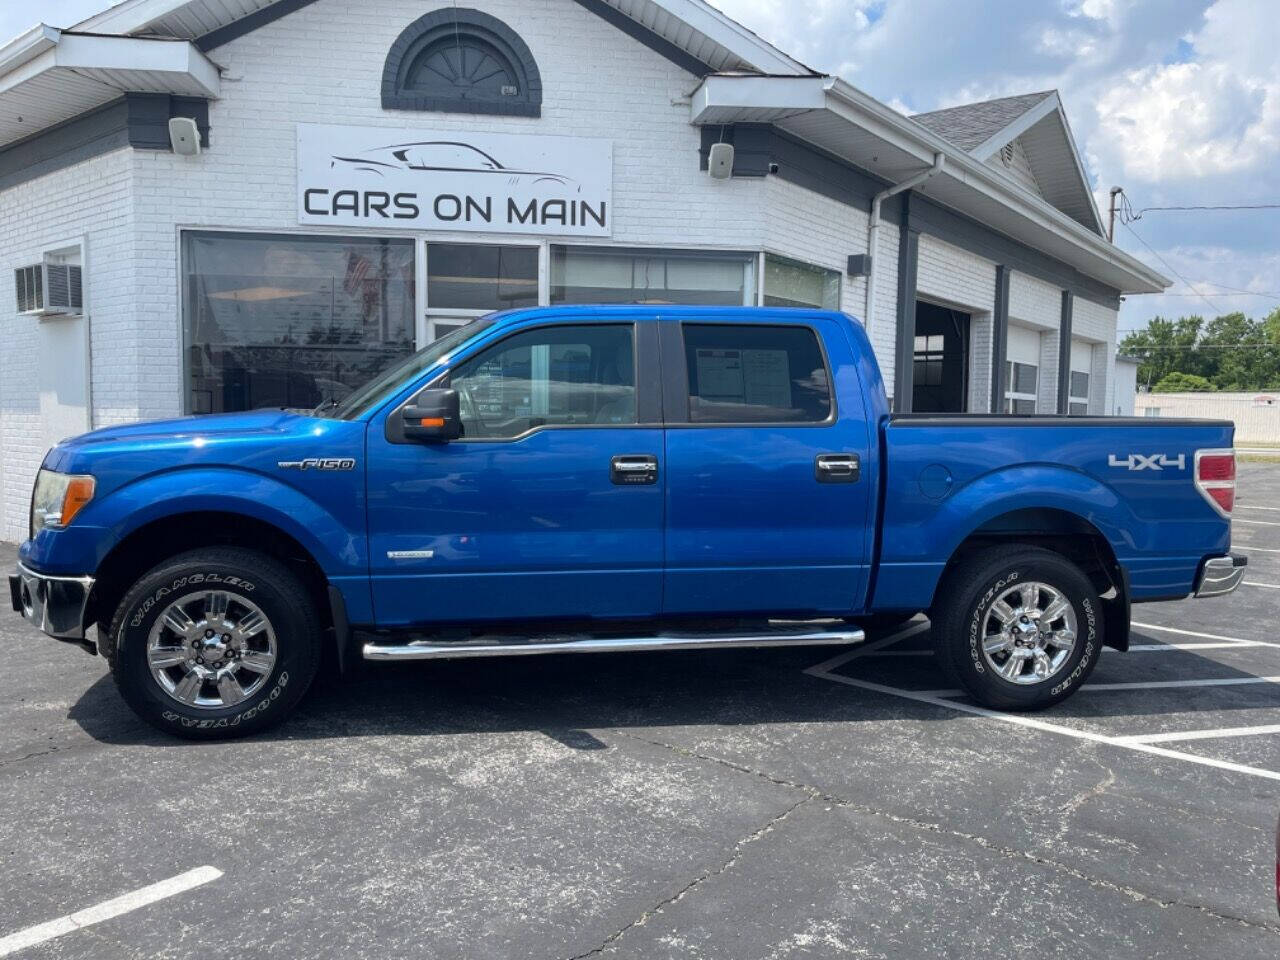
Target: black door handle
pixel 837 468
pixel 633 468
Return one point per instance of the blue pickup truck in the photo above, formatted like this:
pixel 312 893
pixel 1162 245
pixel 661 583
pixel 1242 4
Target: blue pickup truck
pixel 594 479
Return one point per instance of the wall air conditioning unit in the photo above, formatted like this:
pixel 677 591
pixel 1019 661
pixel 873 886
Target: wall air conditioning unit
pixel 49 289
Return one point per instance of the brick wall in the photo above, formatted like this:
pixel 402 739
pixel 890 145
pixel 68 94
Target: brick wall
pixel 90 201
pixel 957 278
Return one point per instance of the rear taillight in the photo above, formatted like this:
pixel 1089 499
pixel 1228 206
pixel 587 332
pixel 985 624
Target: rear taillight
pixel 1216 478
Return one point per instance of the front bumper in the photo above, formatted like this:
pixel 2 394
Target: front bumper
pixel 54 604
pixel 1221 575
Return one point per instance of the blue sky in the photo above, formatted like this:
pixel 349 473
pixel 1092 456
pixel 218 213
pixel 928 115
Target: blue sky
pixel 1178 101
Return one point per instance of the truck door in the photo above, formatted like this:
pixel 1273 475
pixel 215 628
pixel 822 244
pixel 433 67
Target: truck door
pixel 766 440
pixel 550 505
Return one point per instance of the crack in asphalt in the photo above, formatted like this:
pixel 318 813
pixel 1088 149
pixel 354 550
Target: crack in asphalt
pixel 676 897
pixel 1012 853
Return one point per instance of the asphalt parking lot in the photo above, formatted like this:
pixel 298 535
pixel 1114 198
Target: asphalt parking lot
pixel 767 804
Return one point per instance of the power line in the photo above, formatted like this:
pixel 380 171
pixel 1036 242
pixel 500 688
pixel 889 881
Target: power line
pixel 1156 254
pixel 1244 206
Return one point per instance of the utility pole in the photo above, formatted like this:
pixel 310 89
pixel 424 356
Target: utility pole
pixel 1111 219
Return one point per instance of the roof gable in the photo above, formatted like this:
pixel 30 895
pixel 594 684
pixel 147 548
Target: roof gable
pixel 694 34
pixel 1035 126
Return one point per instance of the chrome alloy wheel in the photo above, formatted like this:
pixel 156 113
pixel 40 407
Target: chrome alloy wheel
pixel 211 649
pixel 1029 633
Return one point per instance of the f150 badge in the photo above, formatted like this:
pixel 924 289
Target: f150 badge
pixel 1157 461
pixel 318 463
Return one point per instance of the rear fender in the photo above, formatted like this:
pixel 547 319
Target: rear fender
pixel 921 536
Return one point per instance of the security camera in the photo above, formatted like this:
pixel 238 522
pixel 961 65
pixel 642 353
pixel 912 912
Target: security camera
pixel 184 136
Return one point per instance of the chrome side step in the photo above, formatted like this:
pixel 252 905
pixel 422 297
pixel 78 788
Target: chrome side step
pixel 782 636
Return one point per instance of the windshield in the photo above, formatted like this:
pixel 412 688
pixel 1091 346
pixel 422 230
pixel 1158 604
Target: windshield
pixel 364 399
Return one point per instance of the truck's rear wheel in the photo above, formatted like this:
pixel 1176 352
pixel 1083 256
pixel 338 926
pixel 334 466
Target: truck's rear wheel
pixel 214 643
pixel 1018 628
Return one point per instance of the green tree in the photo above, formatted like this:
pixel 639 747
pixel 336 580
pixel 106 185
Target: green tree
pixel 1164 347
pixel 1182 383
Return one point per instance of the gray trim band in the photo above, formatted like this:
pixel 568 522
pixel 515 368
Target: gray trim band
pixel 637 31
pixel 139 120
pixel 904 358
pixel 757 146
pixel 259 18
pixel 999 338
pixel 1064 352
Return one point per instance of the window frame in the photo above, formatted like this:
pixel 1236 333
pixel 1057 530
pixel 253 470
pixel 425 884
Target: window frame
pixel 644 346
pixel 1011 395
pixel 484 27
pixel 830 273
pixel 675 376
pixel 184 233
pixel 1075 399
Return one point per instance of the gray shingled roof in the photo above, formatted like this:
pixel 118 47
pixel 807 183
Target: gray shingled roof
pixel 972 124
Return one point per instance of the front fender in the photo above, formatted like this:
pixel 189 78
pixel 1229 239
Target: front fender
pixel 339 548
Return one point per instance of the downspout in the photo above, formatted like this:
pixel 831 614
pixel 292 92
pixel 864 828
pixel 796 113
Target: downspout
pixel 873 230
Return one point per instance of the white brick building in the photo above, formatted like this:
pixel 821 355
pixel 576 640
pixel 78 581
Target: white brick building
pixel 207 286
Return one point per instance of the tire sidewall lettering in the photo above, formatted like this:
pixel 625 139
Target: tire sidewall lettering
pixel 979 615
pixel 147 605
pixel 1086 606
pixel 245 715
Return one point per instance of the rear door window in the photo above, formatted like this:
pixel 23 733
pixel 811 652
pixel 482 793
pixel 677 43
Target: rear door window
pixel 752 373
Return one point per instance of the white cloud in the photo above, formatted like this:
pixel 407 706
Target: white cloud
pixel 1217 114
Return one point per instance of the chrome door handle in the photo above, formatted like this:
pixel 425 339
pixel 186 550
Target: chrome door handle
pixel 837 468
pixel 636 468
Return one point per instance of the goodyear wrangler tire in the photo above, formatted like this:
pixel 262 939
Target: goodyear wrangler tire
pixel 1019 628
pixel 215 643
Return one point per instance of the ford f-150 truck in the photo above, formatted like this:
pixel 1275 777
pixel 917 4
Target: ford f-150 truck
pixel 611 478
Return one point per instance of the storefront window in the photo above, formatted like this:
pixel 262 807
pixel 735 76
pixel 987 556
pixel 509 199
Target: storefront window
pixel 291 321
pixel 473 276
pixel 603 275
pixel 789 283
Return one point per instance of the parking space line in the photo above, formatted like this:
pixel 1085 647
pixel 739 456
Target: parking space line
pixel 1020 720
pixel 1161 647
pixel 107 909
pixel 1257 523
pixel 1203 636
pixel 1255 583
pixel 1203 734
pixel 1250 506
pixel 943 698
pixel 1252 549
pixel 1173 684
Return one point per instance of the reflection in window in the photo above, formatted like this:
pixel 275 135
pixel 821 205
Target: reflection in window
pixel 755 374
pixel 472 276
pixel 552 376
pixel 281 321
pixel 601 275
pixel 1078 402
pixel 789 283
pixel 1021 380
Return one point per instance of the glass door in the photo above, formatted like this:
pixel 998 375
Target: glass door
pixel 468 280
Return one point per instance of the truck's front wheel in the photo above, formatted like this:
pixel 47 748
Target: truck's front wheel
pixel 215 643
pixel 1018 628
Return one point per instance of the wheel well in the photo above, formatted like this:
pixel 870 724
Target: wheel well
pixel 167 537
pixel 1065 533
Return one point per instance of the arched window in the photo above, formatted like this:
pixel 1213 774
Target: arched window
pixel 461 61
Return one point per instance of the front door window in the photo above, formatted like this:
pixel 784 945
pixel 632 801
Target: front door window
pixel 550 376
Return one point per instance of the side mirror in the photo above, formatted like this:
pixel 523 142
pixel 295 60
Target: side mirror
pixel 432 416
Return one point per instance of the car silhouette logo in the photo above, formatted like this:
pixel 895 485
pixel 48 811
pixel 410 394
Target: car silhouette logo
pixel 445 157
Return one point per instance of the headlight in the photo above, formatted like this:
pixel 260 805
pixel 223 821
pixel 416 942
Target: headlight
pixel 57 498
